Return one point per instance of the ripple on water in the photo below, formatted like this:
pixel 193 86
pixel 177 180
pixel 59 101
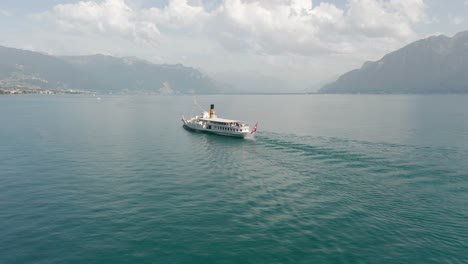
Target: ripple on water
pixel 280 198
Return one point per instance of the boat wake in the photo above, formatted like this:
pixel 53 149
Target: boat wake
pixel 250 137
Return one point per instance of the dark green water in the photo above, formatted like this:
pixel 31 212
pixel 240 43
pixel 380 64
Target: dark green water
pixel 328 179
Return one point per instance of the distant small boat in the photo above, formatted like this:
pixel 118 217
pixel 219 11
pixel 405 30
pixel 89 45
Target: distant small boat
pixel 210 123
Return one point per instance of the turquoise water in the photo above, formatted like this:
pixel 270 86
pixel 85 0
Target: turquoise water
pixel 328 179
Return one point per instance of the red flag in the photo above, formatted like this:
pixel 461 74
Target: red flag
pixel 254 130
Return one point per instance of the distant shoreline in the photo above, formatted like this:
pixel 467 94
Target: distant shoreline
pixel 23 91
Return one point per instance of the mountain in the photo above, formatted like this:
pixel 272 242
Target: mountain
pixel 99 73
pixel 21 68
pixel 132 74
pixel 436 64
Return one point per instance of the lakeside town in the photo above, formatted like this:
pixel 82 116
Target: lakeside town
pixel 24 91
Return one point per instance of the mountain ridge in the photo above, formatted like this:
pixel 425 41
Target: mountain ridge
pixel 436 64
pixel 99 73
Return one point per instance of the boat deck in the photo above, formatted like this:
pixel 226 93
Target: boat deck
pixel 221 120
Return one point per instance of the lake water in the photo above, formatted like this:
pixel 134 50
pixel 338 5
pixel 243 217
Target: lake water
pixel 328 179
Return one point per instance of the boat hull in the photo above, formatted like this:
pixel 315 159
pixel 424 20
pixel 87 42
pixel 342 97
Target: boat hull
pixel 209 131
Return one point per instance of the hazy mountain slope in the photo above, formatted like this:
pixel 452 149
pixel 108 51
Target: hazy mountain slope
pixel 20 68
pixel 135 74
pixel 433 65
pixel 31 69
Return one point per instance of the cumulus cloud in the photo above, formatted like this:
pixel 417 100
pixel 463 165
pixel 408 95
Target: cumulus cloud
pixel 112 17
pixel 296 26
pixel 299 27
pixel 178 14
pixel 264 27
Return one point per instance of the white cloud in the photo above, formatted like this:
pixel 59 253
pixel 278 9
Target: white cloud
pixel 264 27
pixel 5 13
pixel 413 10
pixel 113 17
pixel 178 14
pixel 456 20
pixel 296 26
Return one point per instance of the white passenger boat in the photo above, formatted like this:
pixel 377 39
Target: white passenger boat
pixel 210 123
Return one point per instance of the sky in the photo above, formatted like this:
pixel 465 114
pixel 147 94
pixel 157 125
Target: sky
pixel 306 43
